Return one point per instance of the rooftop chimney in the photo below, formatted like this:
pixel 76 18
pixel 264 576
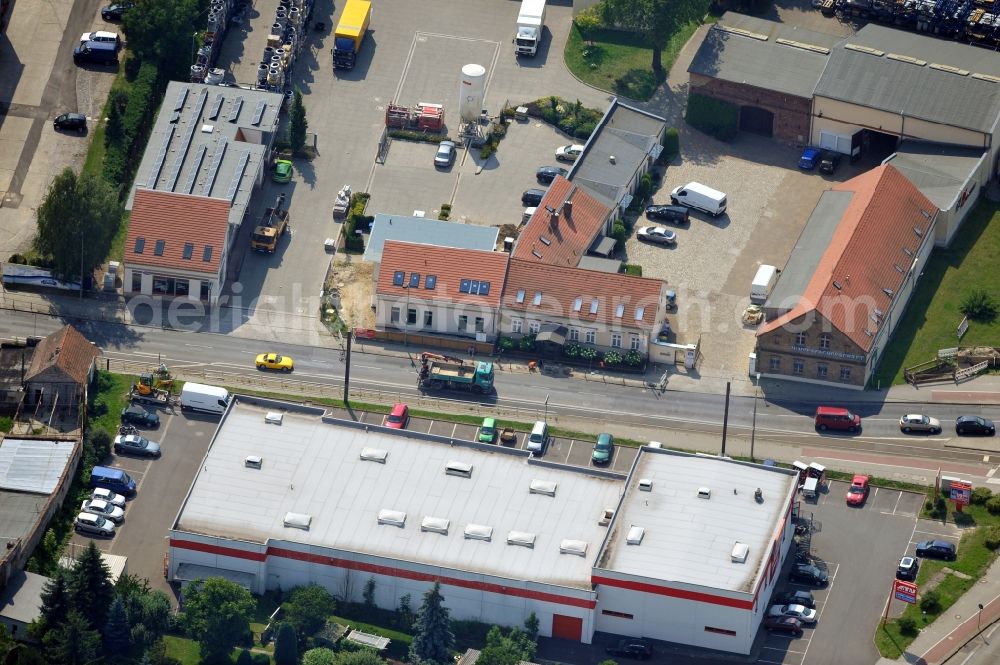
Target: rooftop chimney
pixel 568 209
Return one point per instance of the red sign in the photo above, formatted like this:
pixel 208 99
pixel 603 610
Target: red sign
pixel 961 492
pixel 905 591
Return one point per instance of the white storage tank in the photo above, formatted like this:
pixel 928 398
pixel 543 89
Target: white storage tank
pixel 471 91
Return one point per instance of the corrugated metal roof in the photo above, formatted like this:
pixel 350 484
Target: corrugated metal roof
pixel 940 172
pixel 315 467
pixel 687 539
pixel 743 57
pixel 427 232
pixel 904 87
pixel 33 466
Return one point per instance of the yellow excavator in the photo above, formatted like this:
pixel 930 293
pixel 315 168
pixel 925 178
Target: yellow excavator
pixel 153 386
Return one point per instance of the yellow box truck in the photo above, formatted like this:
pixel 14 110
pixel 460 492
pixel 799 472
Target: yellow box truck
pixel 350 33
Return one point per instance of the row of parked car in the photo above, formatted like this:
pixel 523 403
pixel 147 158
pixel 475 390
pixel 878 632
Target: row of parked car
pixel 841 419
pixel 909 566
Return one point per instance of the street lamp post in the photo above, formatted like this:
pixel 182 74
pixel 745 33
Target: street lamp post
pixel 406 320
pixel 753 429
pixel 979 619
pixel 545 418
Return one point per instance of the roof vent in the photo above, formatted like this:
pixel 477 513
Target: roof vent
pixel 635 534
pixel 740 552
pixel 837 285
pixel 949 68
pixel 654 444
pixel 887 291
pixel 458 469
pixel 392 517
pixel 577 547
pixel 253 461
pixel 478 532
pixel 704 493
pixel 374 455
pixel 435 524
pixel 273 417
pixel 611 158
pixel 521 538
pixel 298 521
pixel 864 49
pixel 645 485
pixel 919 231
pixel 568 208
pixel 546 487
pixel 606 516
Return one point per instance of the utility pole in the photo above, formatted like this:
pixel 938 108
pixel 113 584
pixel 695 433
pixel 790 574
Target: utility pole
pixel 545 418
pixel 347 369
pixel 753 429
pixel 725 421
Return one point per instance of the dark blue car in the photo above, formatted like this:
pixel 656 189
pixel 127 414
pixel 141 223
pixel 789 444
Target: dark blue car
pixel 809 159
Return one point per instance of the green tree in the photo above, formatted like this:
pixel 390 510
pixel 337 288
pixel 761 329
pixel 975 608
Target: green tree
pixel 117 632
pixel 361 657
pixel 286 645
pixel 432 637
pixel 156 654
pixel 217 614
pixel 653 20
pixel 368 594
pixel 308 607
pixel 90 588
pixel 531 627
pixel 244 658
pixel 506 649
pixel 76 221
pixel 297 123
pixel 319 656
pixel 6 641
pixel 73 642
pixel 161 32
pixel 55 601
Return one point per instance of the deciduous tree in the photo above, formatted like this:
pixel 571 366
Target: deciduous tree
pixel 217 614
pixel 319 656
pixel 652 20
pixel 308 607
pixel 506 648
pixel 433 638
pixel 162 32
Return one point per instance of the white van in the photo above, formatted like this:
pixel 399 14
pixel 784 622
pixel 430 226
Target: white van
pixel 199 397
pixel 538 439
pixel 104 36
pixel 763 282
pixel 698 196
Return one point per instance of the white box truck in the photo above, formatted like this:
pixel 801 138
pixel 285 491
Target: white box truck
pixel 530 22
pixel 209 399
pixel 762 283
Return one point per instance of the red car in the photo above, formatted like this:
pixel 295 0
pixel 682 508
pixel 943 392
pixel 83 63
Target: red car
pixel 398 417
pixel 858 492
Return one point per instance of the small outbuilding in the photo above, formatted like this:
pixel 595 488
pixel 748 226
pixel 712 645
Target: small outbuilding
pixel 61 368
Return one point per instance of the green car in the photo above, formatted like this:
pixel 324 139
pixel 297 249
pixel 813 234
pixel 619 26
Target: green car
pixel 488 431
pixel 603 449
pixel 282 171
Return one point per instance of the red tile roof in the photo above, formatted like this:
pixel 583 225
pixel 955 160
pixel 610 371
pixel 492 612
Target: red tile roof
pixel 876 233
pixel 564 238
pixel 571 293
pixel 451 267
pixel 66 349
pixel 177 220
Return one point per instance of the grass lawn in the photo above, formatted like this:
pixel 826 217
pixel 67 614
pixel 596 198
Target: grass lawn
pixel 399 645
pixel 611 60
pixel 932 317
pixel 188 652
pixel 973 560
pixel 106 407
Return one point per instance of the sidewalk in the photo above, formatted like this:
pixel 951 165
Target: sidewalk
pixel 962 622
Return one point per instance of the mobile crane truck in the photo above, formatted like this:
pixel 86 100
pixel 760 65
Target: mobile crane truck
pixel 273 224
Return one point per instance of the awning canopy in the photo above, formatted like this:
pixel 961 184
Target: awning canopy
pixel 603 246
pixel 551 332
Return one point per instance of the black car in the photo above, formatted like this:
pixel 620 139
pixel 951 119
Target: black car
pixel 804 598
pixel 115 11
pixel 828 162
pixel 532 197
pixel 631 649
pixel 547 174
pixel 136 415
pixel 785 625
pixel 974 425
pixel 908 568
pixel 676 214
pixel 74 121
pixel 806 573
pixel 936 549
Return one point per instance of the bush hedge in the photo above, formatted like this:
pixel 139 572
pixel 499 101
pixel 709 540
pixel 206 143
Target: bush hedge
pixel 671 145
pixel 712 116
pixel 981 495
pixel 130 120
pixel 356 220
pixel 411 135
pixel 992 540
pixel 573 118
pixel 993 504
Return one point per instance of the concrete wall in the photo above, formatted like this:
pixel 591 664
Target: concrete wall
pixel 791 113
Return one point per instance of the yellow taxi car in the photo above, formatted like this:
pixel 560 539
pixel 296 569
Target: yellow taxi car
pixel 275 361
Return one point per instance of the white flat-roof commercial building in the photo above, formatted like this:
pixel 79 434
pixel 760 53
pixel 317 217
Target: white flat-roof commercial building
pixel 320 500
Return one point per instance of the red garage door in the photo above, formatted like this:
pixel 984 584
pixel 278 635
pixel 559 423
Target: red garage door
pixel 567 628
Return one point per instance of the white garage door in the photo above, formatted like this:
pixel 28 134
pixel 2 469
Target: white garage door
pixel 835 142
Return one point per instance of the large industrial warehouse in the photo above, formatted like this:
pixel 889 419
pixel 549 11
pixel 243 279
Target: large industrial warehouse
pixel 315 499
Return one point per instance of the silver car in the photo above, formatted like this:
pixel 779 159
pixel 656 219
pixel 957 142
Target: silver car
pixel 136 445
pixel 445 155
pixel 107 510
pixel 94 525
pixel 914 422
pixel 107 495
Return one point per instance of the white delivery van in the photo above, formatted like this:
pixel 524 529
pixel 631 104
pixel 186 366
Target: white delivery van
pixel 763 282
pixel 199 397
pixel 698 196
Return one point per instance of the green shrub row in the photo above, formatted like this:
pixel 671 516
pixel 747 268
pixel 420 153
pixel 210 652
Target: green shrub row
pixel 411 135
pixel 130 119
pixel 712 116
pixel 356 219
pixel 573 118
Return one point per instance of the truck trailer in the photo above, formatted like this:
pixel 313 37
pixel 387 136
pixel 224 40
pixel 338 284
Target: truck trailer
pixel 350 33
pixel 530 25
pixel 439 372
